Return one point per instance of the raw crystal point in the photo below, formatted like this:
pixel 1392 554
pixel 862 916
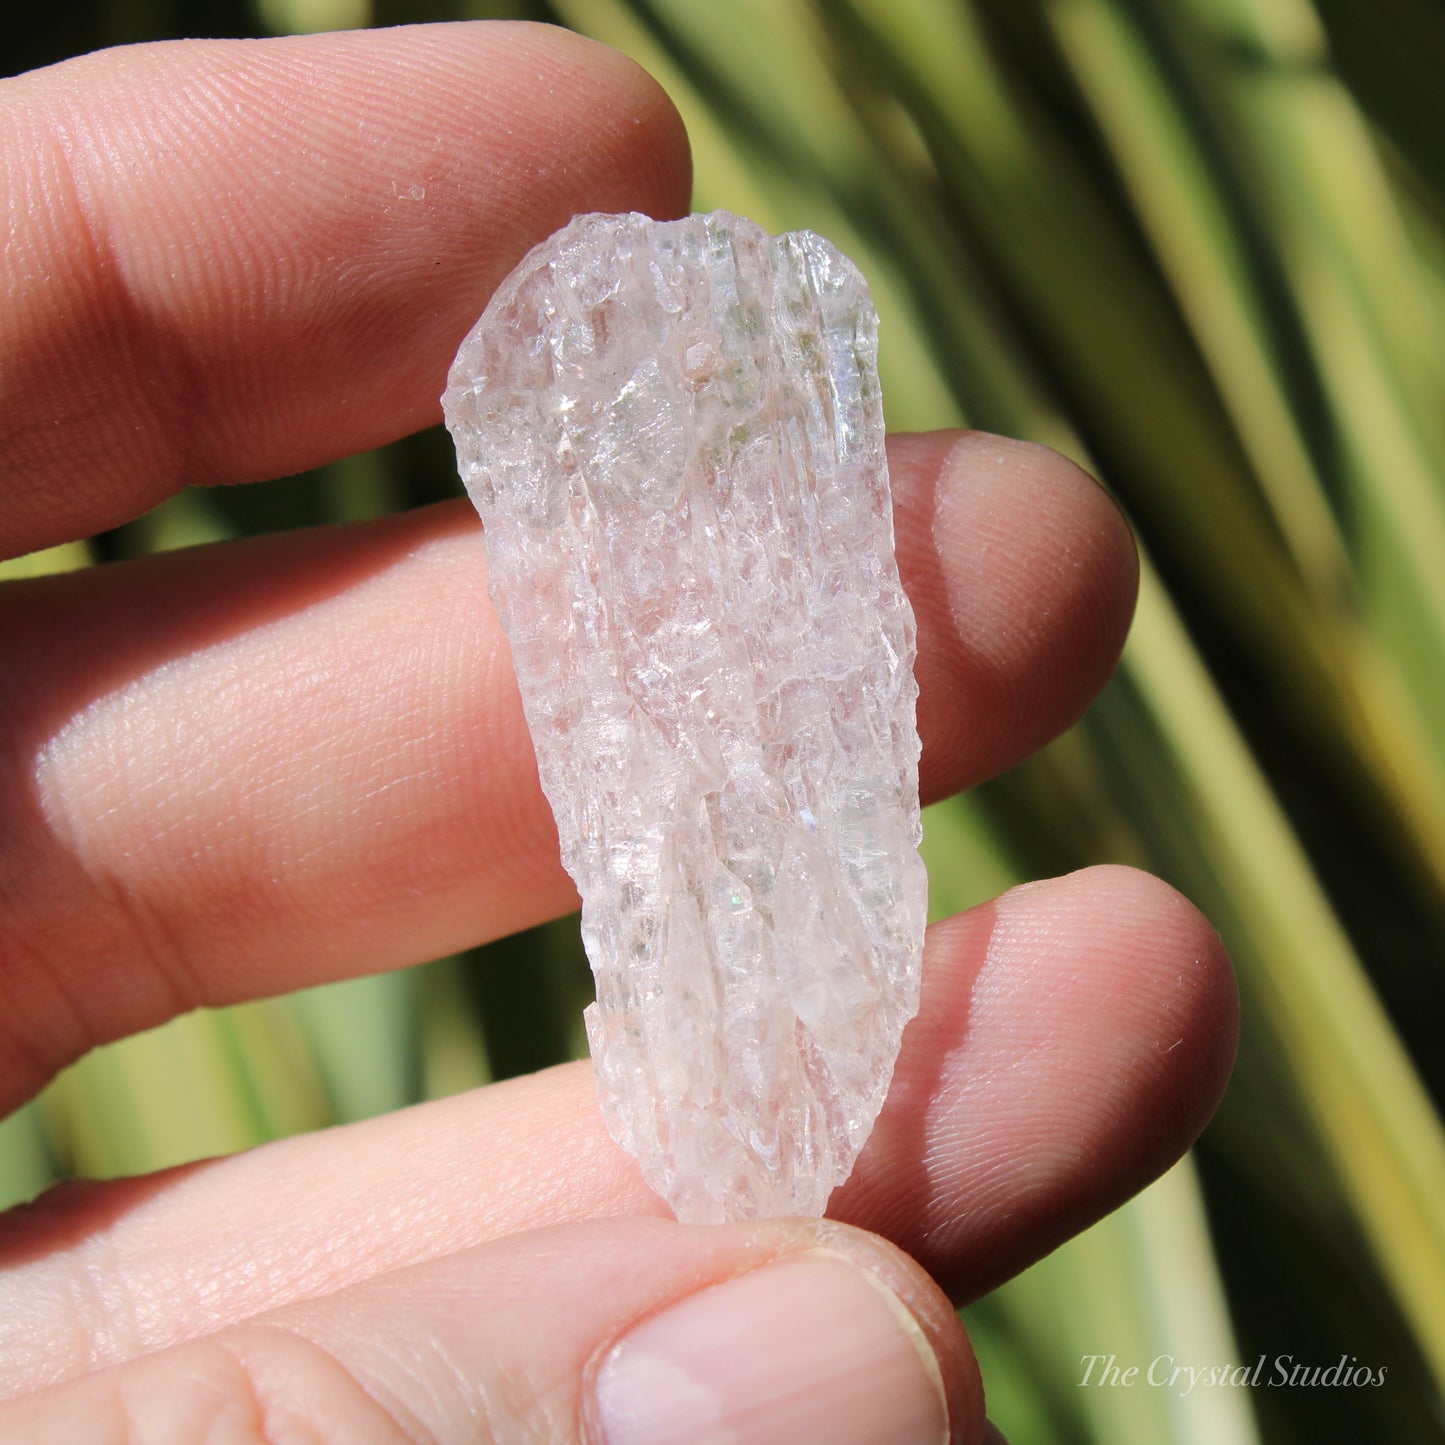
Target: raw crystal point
pixel 673 434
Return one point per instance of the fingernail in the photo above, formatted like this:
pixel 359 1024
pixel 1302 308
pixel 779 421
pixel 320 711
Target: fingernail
pixel 812 1348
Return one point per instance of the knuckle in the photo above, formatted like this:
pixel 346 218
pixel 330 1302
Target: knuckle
pixel 259 1386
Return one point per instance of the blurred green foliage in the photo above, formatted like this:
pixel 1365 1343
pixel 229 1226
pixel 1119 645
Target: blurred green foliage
pixel 1200 246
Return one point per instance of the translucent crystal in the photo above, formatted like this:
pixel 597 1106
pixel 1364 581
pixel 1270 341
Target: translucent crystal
pixel 673 434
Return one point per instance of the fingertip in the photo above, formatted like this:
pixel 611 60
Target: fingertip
pixel 1132 953
pixel 1145 1010
pixel 245 258
pixel 645 125
pixel 620 126
pixel 1024 575
pixel 1173 950
pixel 838 1337
pixel 1075 1036
pixel 932 1311
pixel 1065 596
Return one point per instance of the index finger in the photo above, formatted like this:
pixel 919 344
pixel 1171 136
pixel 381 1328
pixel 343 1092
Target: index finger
pixel 234 259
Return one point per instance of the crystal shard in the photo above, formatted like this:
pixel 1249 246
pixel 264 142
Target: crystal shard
pixel 674 437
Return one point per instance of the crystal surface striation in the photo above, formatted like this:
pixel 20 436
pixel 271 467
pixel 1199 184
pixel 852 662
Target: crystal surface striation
pixel 673 434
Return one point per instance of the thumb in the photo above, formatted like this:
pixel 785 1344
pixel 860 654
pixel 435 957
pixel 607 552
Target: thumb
pixel 604 1332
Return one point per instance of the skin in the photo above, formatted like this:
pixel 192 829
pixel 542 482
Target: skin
pixel 218 269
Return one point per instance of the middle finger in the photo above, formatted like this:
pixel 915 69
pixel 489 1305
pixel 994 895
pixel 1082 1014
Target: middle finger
pixel 244 769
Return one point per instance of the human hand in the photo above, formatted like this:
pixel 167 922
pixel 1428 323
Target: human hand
pixel 239 770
